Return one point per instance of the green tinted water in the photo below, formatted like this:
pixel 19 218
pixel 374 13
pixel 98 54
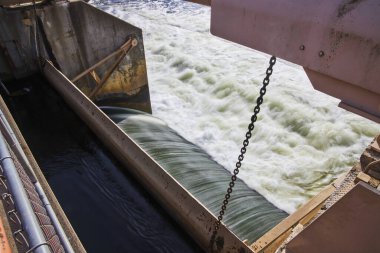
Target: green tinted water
pixel 249 215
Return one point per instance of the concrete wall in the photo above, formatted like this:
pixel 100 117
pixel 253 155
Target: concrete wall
pixel 75 36
pixel 17 47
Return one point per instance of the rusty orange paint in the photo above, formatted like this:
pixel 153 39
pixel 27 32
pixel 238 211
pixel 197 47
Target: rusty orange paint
pixel 4 243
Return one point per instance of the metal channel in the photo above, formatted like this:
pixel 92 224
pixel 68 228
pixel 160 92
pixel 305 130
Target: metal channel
pixel 189 212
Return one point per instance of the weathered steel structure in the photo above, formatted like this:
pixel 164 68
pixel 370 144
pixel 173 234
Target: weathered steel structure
pixel 88 45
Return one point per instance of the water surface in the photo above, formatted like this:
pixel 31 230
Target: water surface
pixel 107 208
pixel 205 88
pixel 249 215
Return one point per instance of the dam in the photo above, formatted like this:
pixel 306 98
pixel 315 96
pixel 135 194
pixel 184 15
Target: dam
pixel 80 170
pixel 75 80
pixel 182 177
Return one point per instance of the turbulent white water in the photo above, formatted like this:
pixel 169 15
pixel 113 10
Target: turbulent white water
pixel 205 88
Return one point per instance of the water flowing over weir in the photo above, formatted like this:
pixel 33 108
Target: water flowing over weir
pixel 204 88
pixel 249 215
pixel 109 211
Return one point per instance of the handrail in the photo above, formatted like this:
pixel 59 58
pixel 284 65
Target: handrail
pixel 20 3
pixel 12 140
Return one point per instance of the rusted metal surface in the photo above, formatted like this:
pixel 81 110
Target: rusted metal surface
pixel 119 53
pixel 16 3
pixel 351 225
pixel 337 41
pixel 367 179
pixel 124 47
pixel 204 2
pixel 4 243
pixel 13 2
pixel 359 112
pixel 124 51
pixel 375 145
pixel 273 238
pixel 354 98
pixel 6 228
pixel 343 185
pixel 370 159
pixel 182 206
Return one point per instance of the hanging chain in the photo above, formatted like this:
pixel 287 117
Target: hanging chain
pixel 243 150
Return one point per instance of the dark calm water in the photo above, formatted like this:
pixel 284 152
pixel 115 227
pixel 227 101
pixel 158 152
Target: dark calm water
pixel 108 209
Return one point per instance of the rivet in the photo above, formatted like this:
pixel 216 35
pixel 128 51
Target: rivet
pixel 321 53
pixel 302 47
pixel 134 42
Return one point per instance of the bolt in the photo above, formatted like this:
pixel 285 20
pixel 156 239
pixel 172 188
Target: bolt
pixel 134 42
pixel 321 53
pixel 302 47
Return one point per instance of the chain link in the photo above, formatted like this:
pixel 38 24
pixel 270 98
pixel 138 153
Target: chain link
pixel 243 150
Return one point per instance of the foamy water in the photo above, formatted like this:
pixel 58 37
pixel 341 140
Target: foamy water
pixel 205 88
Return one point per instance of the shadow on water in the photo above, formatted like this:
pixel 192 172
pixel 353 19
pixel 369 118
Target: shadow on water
pixel 109 211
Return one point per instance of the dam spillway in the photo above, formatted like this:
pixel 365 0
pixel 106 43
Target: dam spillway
pixel 96 192
pixel 249 214
pixel 94 59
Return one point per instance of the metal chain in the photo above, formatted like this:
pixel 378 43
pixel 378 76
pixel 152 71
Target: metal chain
pixel 243 150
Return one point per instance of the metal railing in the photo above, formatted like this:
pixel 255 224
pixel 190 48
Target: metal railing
pixel 37 218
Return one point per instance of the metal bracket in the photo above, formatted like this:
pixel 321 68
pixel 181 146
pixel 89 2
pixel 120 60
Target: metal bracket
pixel 14 212
pixel 9 196
pixel 39 245
pixel 119 53
pixel 19 232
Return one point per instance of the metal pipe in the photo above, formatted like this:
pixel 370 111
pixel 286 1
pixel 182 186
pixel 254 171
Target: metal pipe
pixel 10 136
pixel 54 220
pixel 30 223
pixel 65 224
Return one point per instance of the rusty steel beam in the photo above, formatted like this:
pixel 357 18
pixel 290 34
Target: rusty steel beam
pixel 351 225
pixel 19 2
pixel 204 2
pixel 271 240
pixel 108 74
pixel 125 46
